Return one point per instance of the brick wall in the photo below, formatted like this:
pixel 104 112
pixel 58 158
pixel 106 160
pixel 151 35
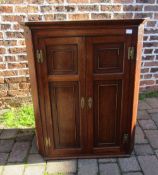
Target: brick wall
pixel 14 75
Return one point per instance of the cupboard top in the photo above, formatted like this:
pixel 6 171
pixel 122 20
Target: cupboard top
pixel 85 23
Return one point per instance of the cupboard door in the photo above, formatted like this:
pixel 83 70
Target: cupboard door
pixel 107 82
pixel 63 84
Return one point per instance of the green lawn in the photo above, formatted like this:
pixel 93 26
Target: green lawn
pixel 143 96
pixel 21 117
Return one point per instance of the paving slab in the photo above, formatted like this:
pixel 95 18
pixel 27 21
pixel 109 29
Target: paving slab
pixel 1 169
pixel 25 135
pixel 109 169
pixel 149 164
pixel 19 152
pixel 129 164
pixel 143 149
pixel 107 160
pixel 152 111
pixel 139 136
pixel 143 114
pixel 154 116
pixel 34 149
pixel 6 146
pixel 34 170
pixel 152 136
pixel 35 159
pixel 87 166
pixel 8 134
pixel 13 169
pixel 153 102
pixel 3 158
pixel 143 105
pixel 61 166
pixel 134 173
pixel 147 124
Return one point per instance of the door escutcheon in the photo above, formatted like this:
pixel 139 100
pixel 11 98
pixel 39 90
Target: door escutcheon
pixel 90 102
pixel 82 102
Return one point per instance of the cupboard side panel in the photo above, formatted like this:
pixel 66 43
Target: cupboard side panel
pixel 34 88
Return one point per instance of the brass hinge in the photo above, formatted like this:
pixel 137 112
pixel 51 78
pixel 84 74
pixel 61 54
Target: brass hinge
pixel 39 56
pixel 47 142
pixel 130 53
pixel 125 138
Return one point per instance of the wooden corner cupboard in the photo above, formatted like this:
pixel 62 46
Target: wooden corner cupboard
pixel 85 84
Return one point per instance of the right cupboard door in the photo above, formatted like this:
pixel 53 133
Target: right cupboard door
pixel 107 84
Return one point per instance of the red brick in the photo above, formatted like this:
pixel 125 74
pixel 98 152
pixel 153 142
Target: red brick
pixel 88 8
pixel 153 63
pixel 1 79
pixel 12 18
pixel 147 82
pixel 111 7
pixel 21 43
pixel 68 8
pixel 16 65
pixel 22 57
pixel 147 76
pixel 143 15
pixel 55 1
pixel 1 59
pixel 15 79
pixel 59 16
pixel 13 1
pixel 100 1
pixel 2 50
pixel 32 9
pixel 148 51
pixel 24 85
pixel 3 87
pixel 17 50
pixel 5 26
pixel 123 1
pixel 14 86
pixel 123 15
pixel 49 17
pixel 9 73
pixel 144 70
pixel 1 35
pixel 35 1
pixel 3 93
pixel 34 17
pixel 154 38
pixel 8 43
pixel 77 1
pixel 154 69
pixel 6 9
pixel 20 9
pixel 151 23
pixel 23 72
pixel 10 58
pixel 146 1
pixel 132 8
pixel 148 57
pixel 78 16
pixel 47 8
pixel 100 16
pixel 151 8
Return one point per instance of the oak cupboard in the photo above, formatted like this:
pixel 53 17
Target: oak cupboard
pixel 85 83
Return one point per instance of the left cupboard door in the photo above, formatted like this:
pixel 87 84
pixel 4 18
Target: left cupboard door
pixel 61 75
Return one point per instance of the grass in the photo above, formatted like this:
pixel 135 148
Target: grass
pixel 145 95
pixel 21 117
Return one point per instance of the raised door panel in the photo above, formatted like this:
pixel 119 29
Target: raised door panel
pixel 66 117
pixel 108 57
pixel 107 104
pixel 63 81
